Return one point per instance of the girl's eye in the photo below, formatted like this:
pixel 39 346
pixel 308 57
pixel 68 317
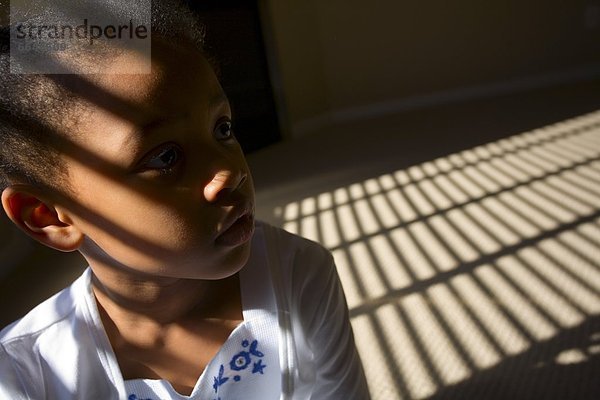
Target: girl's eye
pixel 224 131
pixel 165 160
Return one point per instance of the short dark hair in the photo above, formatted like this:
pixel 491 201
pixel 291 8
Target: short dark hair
pixel 32 106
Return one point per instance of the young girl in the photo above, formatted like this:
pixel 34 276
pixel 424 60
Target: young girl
pixel 185 296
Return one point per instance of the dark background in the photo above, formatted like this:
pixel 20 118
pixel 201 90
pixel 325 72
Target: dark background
pixel 234 38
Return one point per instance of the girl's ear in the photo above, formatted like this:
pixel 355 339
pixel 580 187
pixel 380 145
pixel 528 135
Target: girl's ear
pixel 39 219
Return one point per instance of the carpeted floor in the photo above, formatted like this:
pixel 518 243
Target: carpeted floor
pixel 470 272
pixel 475 275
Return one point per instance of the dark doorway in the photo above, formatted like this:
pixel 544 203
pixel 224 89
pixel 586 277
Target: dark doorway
pixel 235 39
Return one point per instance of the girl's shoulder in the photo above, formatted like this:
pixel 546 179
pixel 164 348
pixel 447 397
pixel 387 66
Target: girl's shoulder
pixel 292 247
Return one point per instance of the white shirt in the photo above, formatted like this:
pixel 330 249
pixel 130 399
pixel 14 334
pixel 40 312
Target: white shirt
pixel 295 342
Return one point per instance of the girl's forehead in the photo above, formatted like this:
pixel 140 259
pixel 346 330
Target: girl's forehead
pixel 171 66
pixel 179 76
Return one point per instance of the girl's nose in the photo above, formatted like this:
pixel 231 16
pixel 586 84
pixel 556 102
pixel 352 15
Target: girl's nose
pixel 223 183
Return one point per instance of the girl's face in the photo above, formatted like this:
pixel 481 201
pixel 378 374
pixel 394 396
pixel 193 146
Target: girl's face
pixel 160 186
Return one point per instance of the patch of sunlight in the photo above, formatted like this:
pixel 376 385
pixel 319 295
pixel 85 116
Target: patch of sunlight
pixel 419 267
pixel 475 342
pixel 436 250
pixel 518 306
pixel 356 191
pixel 291 226
pixel 377 356
pixel 309 206
pixel 573 290
pixel 452 266
pixel 405 353
pixel 540 293
pixel 450 189
pixel 439 199
pixel 395 272
pixel 521 227
pixel 518 176
pixel 545 205
pixel 594 349
pixel 340 196
pixel 348 278
pixel 309 228
pixel 467 186
pixel 402 178
pixel 493 223
pixel 366 219
pixel 416 173
pixel 401 205
pixel 291 211
pixel 418 200
pixel 570 356
pixel 367 270
pixel 572 262
pixel 325 201
pixel 372 187
pixel 488 185
pixel 348 224
pixel 567 199
pixel 473 231
pixel 387 182
pixel 446 361
pixel 495 174
pixel 384 211
pixel 527 213
pixel 430 169
pixel 460 246
pixel 506 336
pixel 578 178
pixel 591 233
pixel 443 164
pixel 328 224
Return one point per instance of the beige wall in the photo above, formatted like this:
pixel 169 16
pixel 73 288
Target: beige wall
pixel 339 60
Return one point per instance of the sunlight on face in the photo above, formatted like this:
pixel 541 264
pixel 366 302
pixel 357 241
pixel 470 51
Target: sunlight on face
pixel 146 154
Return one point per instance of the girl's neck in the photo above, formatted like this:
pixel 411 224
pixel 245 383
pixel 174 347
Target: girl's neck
pixel 163 301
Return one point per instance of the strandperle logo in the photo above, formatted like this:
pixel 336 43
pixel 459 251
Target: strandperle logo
pixel 87 31
pixel 62 36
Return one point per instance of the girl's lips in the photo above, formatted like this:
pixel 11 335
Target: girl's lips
pixel 238 233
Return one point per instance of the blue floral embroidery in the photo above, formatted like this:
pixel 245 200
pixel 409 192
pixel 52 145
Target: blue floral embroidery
pixel 239 362
pixel 134 397
pixel 218 381
pixel 253 349
pixel 258 367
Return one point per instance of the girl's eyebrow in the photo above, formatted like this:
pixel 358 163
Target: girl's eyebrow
pixel 147 128
pixel 219 99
